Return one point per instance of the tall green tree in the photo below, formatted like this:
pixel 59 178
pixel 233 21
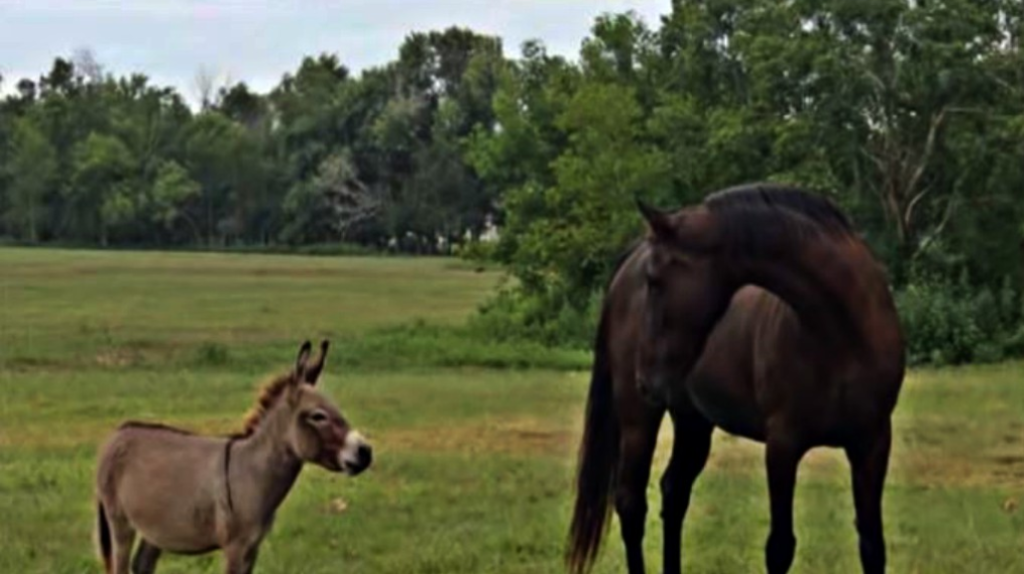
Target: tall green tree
pixel 31 173
pixel 172 191
pixel 103 192
pixel 226 160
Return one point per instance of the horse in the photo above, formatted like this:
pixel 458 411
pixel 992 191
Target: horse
pixel 758 311
pixel 191 494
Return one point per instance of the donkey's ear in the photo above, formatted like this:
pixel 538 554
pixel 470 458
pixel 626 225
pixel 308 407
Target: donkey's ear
pixel 303 358
pixel 658 221
pixel 312 373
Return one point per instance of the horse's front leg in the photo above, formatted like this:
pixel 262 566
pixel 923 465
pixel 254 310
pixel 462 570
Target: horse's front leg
pixel 690 447
pixel 637 452
pixel 869 463
pixel 240 557
pixel 782 456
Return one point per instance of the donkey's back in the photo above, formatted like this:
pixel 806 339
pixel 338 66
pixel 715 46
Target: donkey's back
pixel 165 482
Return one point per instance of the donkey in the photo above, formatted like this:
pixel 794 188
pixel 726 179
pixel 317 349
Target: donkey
pixel 191 494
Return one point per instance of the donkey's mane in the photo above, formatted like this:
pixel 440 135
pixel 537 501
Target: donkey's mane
pixel 154 426
pixel 762 217
pixel 267 396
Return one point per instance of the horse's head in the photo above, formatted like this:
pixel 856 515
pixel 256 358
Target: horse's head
pixel 319 432
pixel 687 291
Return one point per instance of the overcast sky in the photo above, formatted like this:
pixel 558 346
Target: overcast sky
pixel 257 41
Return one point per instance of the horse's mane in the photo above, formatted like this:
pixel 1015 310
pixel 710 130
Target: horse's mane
pixel 620 261
pixel 268 395
pixel 761 218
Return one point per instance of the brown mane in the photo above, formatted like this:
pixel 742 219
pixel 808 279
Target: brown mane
pixel 153 426
pixel 268 395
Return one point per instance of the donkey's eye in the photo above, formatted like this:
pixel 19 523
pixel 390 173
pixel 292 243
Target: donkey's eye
pixel 318 417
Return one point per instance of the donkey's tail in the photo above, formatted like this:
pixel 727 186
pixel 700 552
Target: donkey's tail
pixel 598 461
pixel 103 537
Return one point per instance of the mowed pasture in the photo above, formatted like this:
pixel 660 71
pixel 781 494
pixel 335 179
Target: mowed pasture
pixel 474 464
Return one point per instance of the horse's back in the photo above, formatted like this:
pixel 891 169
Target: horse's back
pixel 762 363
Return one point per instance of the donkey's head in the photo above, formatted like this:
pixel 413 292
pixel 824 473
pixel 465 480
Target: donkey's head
pixel 318 432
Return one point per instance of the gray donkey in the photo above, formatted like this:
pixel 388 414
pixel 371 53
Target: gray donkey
pixel 192 494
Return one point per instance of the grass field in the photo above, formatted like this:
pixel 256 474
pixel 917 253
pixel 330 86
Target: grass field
pixel 473 464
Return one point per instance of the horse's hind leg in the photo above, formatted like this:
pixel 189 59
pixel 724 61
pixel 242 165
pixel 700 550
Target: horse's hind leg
pixel 869 463
pixel 690 447
pixel 782 456
pixel 637 445
pixel 145 558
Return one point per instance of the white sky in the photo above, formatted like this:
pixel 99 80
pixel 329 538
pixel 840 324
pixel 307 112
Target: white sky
pixel 257 41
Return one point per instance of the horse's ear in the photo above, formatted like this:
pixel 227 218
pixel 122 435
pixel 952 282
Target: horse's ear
pixel 302 359
pixel 658 221
pixel 313 371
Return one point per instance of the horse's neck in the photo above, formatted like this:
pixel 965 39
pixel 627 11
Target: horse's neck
pixel 272 467
pixel 836 289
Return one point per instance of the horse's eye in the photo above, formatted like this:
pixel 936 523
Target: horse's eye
pixel 654 281
pixel 318 417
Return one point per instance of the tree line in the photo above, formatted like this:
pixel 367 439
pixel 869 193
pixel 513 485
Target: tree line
pixel 908 114
pixel 89 158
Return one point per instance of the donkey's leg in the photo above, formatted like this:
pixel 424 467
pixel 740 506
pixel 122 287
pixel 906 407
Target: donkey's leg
pixel 240 558
pixel 637 451
pixel 145 558
pixel 690 448
pixel 122 536
pixel 869 463
pixel 782 456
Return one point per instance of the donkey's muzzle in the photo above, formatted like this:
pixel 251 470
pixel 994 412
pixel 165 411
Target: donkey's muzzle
pixel 357 454
pixel 364 457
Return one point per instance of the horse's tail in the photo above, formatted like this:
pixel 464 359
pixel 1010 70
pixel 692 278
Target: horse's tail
pixel 103 537
pixel 598 462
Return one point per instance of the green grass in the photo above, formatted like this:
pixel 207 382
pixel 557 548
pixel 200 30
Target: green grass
pixel 474 465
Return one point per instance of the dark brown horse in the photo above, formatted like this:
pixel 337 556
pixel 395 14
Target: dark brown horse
pixel 762 313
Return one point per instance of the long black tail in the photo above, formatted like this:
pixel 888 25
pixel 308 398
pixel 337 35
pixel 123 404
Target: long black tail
pixel 103 537
pixel 598 461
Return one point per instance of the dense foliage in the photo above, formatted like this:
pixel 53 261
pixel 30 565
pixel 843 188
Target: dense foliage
pixel 89 158
pixel 909 114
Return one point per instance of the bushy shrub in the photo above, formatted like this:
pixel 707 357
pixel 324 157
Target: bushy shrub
pixel 945 321
pixel 512 315
pixel 948 322
pixel 477 251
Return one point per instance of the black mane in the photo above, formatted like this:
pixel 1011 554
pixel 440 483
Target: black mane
pixel 620 261
pixel 759 218
pixel 762 218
